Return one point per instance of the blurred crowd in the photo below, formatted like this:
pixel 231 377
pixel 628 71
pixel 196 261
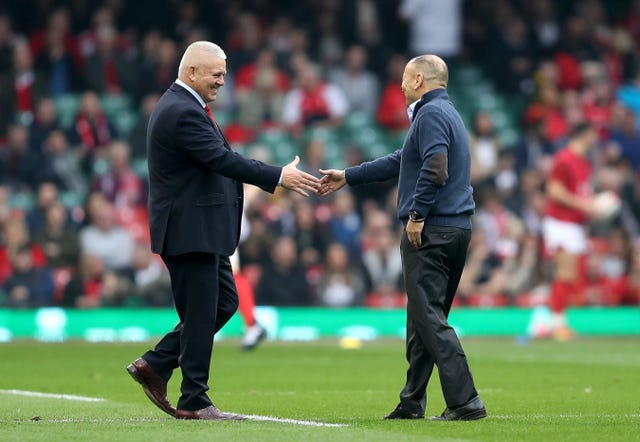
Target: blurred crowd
pixel 318 78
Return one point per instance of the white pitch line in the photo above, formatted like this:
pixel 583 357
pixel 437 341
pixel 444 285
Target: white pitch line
pixel 69 397
pixel 281 420
pixel 293 421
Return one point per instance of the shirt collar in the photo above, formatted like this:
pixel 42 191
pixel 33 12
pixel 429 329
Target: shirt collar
pixel 411 107
pixel 191 91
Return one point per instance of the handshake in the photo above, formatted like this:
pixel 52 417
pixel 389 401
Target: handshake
pixel 303 183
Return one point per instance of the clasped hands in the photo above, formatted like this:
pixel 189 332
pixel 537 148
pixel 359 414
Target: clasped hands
pixel 303 183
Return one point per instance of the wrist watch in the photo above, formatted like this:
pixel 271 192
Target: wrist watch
pixel 415 216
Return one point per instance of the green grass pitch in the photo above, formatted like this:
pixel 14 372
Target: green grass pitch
pixel 587 390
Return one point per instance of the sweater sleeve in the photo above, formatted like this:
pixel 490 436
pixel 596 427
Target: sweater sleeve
pixel 380 169
pixel 433 144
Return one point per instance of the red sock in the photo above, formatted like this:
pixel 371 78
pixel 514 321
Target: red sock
pixel 247 301
pixel 560 293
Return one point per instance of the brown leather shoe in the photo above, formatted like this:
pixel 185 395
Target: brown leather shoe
pixel 153 385
pixel 211 413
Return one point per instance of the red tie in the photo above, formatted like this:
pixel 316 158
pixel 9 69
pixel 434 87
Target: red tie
pixel 208 109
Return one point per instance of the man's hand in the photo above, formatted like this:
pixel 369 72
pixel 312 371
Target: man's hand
pixel 332 180
pixel 414 233
pixel 297 180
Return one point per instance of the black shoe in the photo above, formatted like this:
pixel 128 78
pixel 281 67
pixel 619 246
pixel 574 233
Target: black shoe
pixel 401 413
pixel 472 410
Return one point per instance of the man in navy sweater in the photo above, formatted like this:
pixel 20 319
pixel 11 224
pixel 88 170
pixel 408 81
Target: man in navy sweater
pixel 435 202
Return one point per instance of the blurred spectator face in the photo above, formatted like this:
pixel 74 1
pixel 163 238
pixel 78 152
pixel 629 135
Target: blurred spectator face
pixel 343 204
pixel 572 107
pixel 309 77
pixel 151 43
pixel 149 103
pixel 106 40
pixel 248 31
pixel 106 219
pixel 15 233
pixel 94 205
pixel 337 258
pixel 22 260
pixel 22 57
pixel 90 104
pixel 5 29
pixel 305 218
pixel 484 124
pixel 56 216
pixel 59 20
pixel 167 52
pixel 395 68
pixel 47 195
pixel 119 152
pixel 383 240
pixel 314 154
pixel 17 138
pixel 284 252
pixel 56 142
pixel 356 58
pixel 265 59
pixel 46 112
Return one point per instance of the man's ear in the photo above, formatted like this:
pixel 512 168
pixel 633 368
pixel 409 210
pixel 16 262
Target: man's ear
pixel 191 73
pixel 419 80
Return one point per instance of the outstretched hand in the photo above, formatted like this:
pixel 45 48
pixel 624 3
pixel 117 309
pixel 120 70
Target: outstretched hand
pixel 332 180
pixel 297 180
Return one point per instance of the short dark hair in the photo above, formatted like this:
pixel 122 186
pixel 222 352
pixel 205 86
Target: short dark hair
pixel 579 129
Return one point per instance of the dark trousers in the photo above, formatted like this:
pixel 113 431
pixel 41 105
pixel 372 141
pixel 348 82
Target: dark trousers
pixel 432 273
pixel 205 298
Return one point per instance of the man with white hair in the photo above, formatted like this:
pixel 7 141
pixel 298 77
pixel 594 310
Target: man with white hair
pixel 195 210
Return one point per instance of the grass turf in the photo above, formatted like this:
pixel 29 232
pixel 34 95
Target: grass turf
pixel 585 390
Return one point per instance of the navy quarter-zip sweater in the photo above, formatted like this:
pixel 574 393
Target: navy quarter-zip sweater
pixel 433 165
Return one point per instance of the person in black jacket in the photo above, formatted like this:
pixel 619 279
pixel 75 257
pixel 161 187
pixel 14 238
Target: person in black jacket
pixel 435 203
pixel 195 209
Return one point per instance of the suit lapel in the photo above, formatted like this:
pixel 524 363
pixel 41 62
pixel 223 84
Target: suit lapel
pixel 179 89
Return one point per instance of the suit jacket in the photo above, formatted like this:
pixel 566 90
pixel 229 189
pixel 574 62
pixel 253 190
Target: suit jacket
pixel 195 179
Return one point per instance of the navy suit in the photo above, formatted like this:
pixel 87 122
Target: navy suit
pixel 195 209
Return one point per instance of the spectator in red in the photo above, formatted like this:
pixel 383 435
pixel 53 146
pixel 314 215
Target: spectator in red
pixel 55 63
pixel 20 88
pixel 160 64
pixel 94 286
pixel 120 185
pixel 382 263
pixel 109 69
pixel 14 236
pixel 314 102
pixel 92 129
pixel 59 29
pixel 249 74
pixel 392 110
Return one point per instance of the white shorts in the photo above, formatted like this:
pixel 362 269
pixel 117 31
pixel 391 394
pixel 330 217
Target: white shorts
pixel 563 235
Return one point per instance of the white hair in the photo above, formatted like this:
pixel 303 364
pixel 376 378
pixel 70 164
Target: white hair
pixel 199 46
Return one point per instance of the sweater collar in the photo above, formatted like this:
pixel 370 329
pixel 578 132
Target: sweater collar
pixel 427 97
